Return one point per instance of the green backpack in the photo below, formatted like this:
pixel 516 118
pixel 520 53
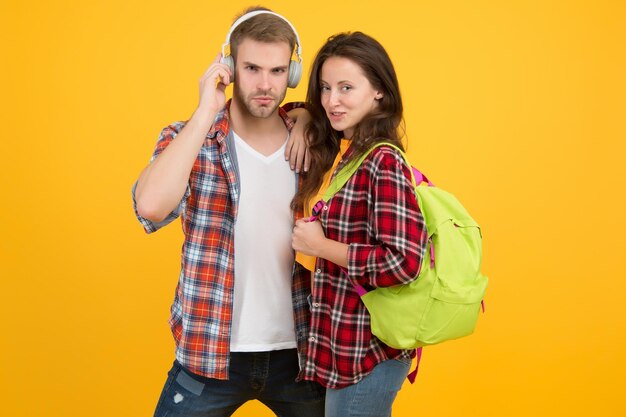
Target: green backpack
pixel 444 301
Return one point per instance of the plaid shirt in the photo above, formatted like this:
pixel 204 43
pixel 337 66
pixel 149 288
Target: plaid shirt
pixel 202 310
pixel 377 214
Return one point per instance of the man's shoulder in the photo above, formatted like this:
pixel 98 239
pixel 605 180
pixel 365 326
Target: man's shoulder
pixel 219 127
pixel 173 128
pixel 287 107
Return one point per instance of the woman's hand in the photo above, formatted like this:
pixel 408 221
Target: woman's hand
pixel 308 237
pixel 296 151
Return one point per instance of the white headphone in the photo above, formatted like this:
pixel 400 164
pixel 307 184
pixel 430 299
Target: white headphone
pixel 295 67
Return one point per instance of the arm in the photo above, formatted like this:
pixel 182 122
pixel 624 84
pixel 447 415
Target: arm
pixel 398 233
pixel 162 184
pixel 296 151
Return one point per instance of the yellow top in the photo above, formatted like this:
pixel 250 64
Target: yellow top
pixel 305 260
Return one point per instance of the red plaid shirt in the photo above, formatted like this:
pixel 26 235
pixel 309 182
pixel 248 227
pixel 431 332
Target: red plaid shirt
pixel 202 310
pixel 377 214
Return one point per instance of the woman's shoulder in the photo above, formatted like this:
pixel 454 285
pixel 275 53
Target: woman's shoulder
pixel 385 156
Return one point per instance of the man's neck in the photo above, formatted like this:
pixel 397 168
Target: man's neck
pixel 265 135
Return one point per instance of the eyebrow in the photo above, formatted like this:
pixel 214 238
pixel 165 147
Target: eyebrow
pixel 338 82
pixel 252 64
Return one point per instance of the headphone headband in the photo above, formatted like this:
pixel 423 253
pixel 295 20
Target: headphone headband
pixel 258 12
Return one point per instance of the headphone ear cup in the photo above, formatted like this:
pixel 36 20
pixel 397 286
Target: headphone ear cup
pixel 295 73
pixel 228 61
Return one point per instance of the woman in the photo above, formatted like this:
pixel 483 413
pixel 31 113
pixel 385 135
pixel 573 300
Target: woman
pixel 371 233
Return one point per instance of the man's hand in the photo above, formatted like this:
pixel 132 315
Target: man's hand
pixel 296 151
pixel 212 86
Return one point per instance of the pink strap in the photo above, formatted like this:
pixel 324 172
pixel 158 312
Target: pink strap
pixel 316 209
pixel 360 290
pixel 419 177
pixel 357 287
pixel 432 254
pixel 411 377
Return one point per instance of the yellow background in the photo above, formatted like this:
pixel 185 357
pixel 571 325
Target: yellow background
pixel 518 108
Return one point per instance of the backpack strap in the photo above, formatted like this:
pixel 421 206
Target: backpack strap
pixel 413 374
pixel 344 174
pixel 342 177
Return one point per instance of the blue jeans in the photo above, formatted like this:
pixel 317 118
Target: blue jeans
pixel 268 377
pixel 372 396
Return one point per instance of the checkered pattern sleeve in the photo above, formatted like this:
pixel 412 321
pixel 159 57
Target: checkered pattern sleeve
pixel 165 138
pixel 394 251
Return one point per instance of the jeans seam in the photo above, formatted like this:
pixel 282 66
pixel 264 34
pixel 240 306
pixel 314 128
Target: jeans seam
pixel 166 389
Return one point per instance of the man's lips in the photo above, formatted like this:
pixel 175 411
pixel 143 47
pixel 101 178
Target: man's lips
pixel 263 99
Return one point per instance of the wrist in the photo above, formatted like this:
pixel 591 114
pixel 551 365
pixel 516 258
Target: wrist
pixel 320 249
pixel 203 117
pixel 295 114
pixel 334 251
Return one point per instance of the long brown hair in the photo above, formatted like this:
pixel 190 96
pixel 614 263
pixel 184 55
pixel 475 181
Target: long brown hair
pixel 384 123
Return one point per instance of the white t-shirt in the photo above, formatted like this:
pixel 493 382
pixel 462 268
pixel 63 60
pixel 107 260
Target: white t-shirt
pixel 262 307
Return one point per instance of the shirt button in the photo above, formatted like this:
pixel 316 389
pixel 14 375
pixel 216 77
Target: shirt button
pixel 311 339
pixel 319 271
pixel 316 304
pixel 325 207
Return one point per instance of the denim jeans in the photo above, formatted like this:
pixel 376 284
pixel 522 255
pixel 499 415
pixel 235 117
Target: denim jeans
pixel 268 377
pixel 372 396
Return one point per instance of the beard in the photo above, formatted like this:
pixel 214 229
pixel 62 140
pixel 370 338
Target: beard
pixel 258 108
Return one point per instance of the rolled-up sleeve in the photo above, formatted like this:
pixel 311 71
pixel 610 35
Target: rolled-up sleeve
pixel 166 137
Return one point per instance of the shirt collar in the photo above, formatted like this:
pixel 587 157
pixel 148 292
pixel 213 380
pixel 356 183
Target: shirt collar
pixel 221 125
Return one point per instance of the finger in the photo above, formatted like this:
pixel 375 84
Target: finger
pixel 300 223
pixel 225 78
pixel 216 65
pixel 288 147
pixel 211 67
pixel 300 158
pixel 307 160
pixel 217 74
pixel 293 157
pixel 226 74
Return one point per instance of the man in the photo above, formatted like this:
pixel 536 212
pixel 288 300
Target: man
pixel 240 314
